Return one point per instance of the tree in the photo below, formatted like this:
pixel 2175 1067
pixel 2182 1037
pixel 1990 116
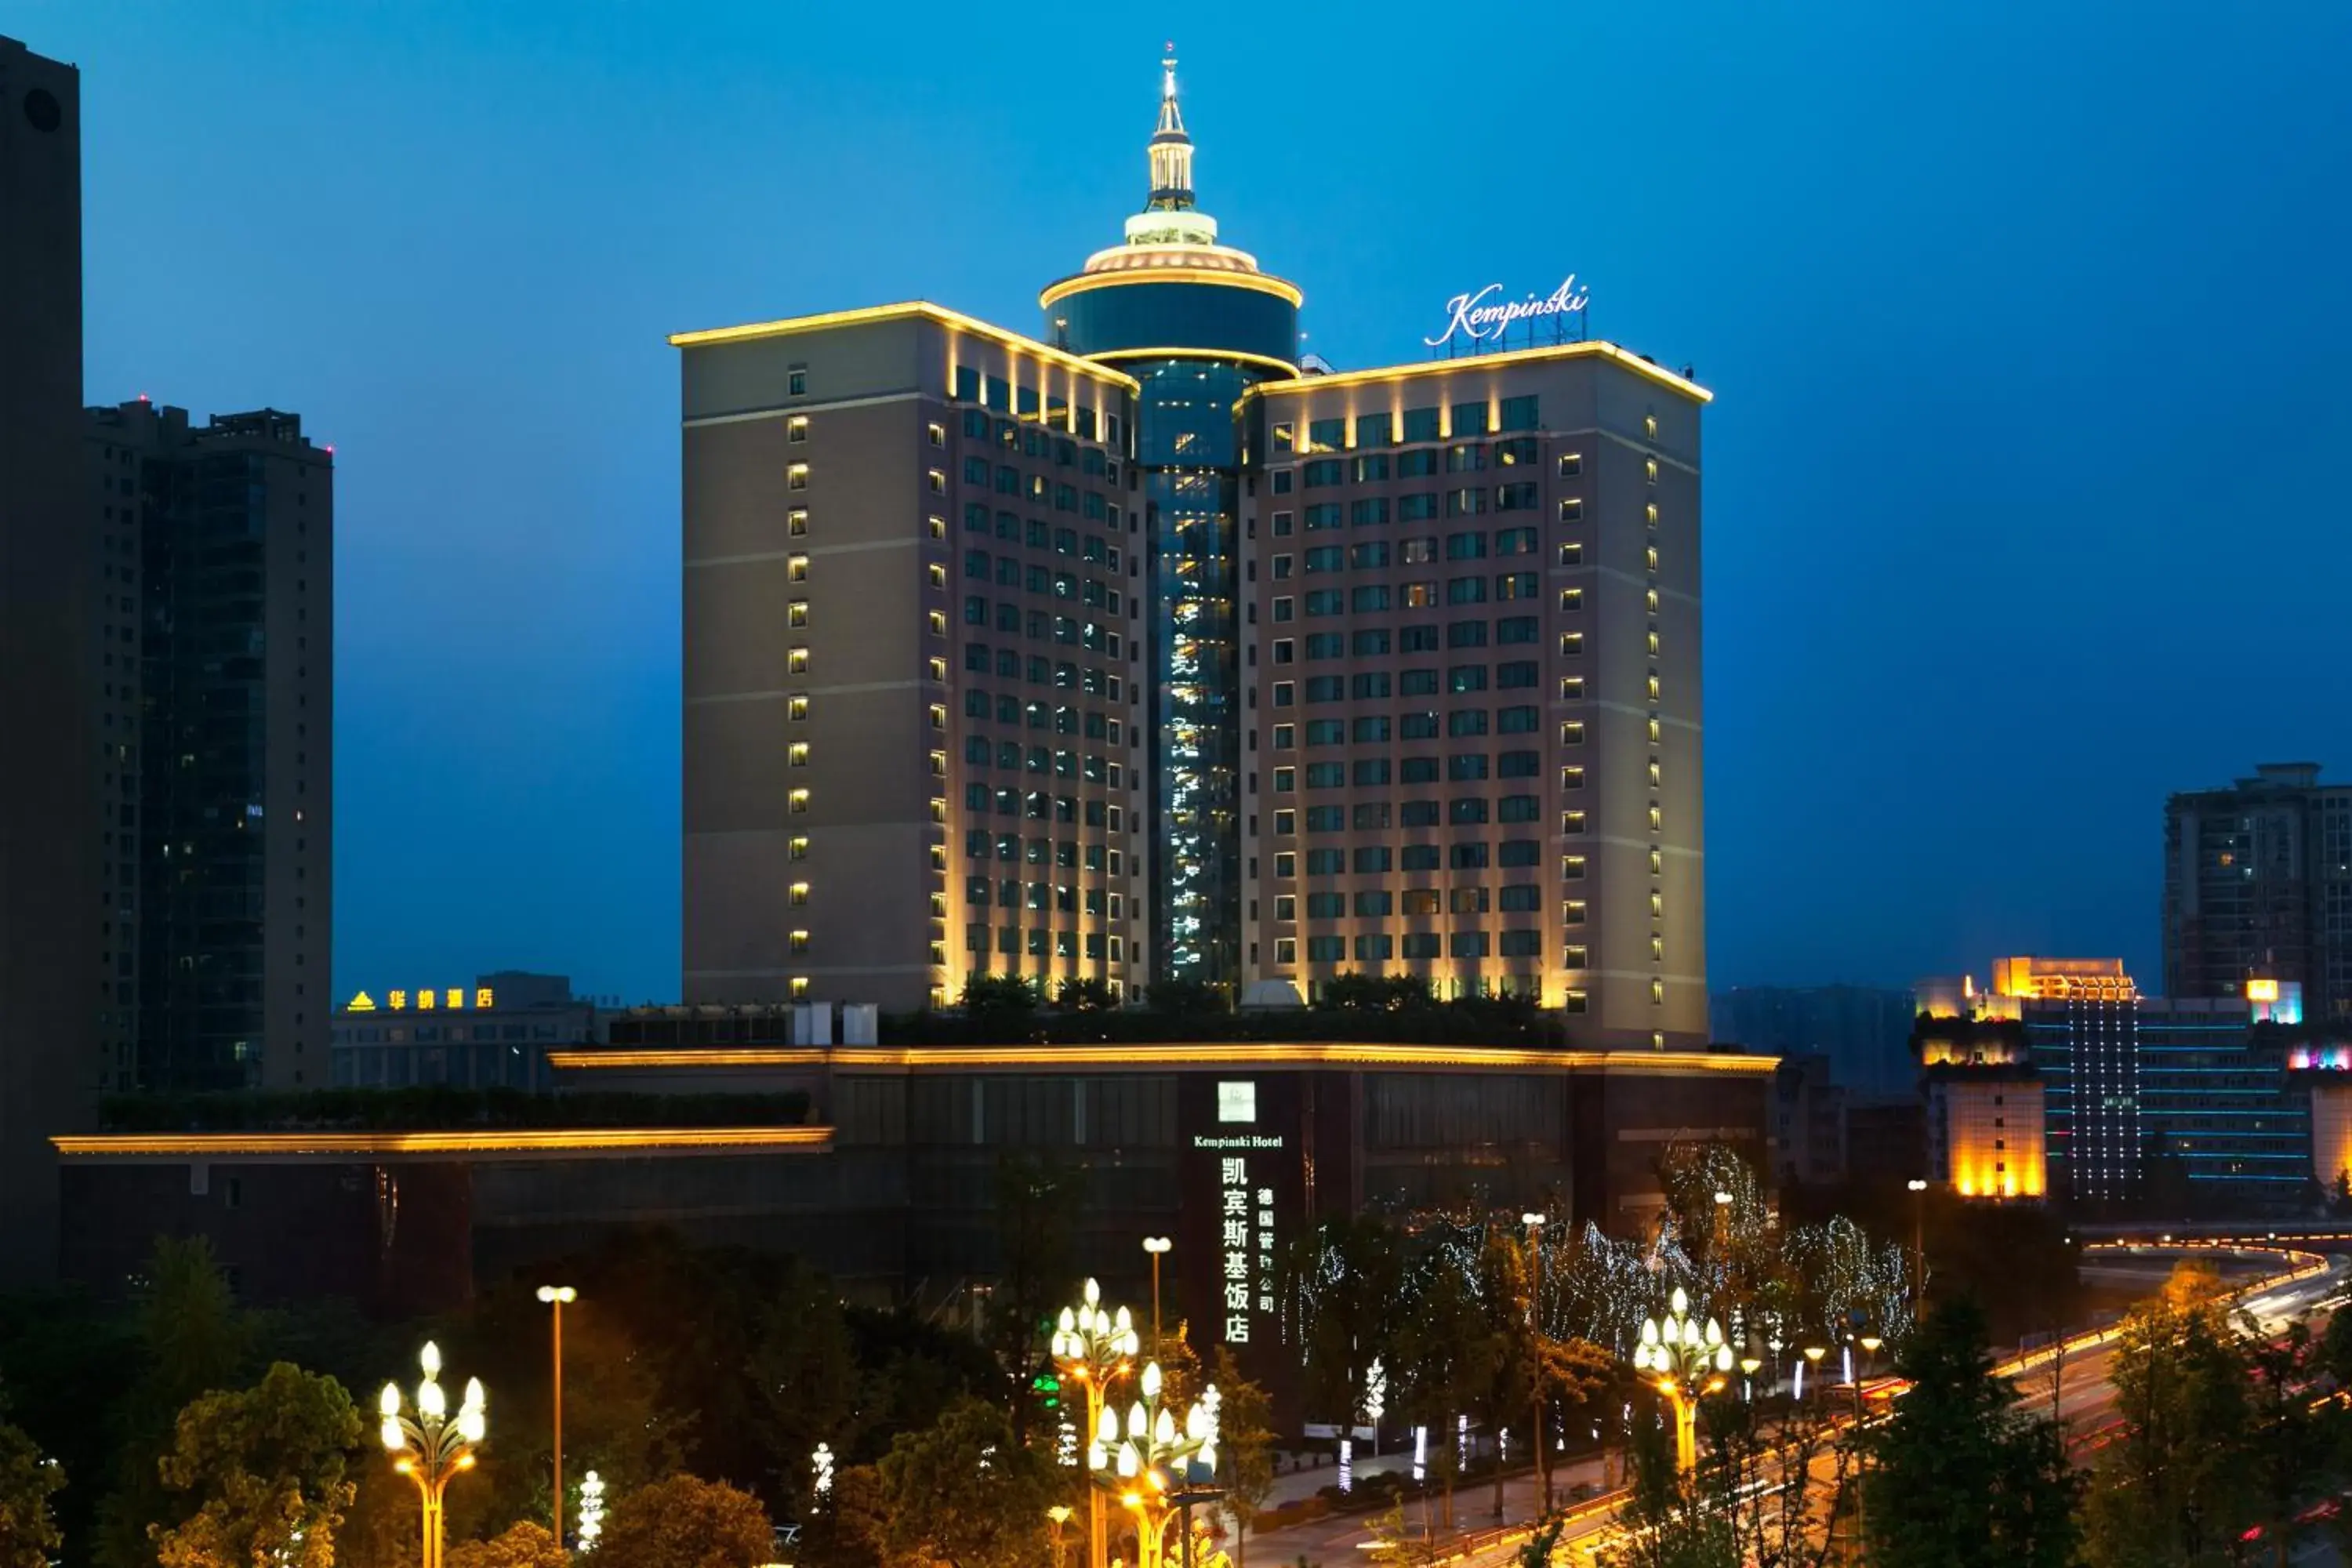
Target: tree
pixel 1037 1202
pixel 806 1373
pixel 1443 1361
pixel 1958 1477
pixel 2173 1485
pixel 1669 1520
pixel 1750 1450
pixel 998 1008
pixel 1344 1276
pixel 190 1339
pixel 966 1493
pixel 685 1521
pixel 29 1537
pixel 522 1546
pixel 1508 1355
pixel 1179 999
pixel 1086 997
pixel 1245 1448
pixel 2288 1433
pixel 264 1468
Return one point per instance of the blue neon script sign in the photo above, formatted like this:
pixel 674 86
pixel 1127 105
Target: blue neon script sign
pixel 1486 315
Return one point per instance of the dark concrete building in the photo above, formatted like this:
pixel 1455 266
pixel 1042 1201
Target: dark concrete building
pixel 214 689
pixel 50 910
pixel 2258 885
pixel 889 1184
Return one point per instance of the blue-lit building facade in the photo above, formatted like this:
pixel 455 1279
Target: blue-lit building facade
pixel 1197 324
pixel 2172 1106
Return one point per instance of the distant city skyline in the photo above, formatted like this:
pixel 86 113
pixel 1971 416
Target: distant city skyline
pixel 1974 434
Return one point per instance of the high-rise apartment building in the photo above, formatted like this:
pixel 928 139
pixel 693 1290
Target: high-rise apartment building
pixel 914 727
pixel 2258 885
pixel 212 548
pixel 1306 673
pixel 48 798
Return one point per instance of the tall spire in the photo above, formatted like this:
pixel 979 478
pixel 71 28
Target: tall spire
pixel 1171 148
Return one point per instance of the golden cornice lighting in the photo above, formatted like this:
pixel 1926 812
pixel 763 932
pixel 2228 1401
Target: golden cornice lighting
pixel 1171 1055
pixel 1173 273
pixel 1470 364
pixel 913 309
pixel 519 1141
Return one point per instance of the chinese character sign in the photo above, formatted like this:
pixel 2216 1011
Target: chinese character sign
pixel 1240 1281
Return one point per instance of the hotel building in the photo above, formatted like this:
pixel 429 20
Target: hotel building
pixel 913 739
pixel 1253 673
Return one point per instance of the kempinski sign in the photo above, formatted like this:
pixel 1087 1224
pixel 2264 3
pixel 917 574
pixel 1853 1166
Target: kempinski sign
pixel 1483 317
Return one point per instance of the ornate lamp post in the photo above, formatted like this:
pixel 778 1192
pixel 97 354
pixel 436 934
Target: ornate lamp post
pixel 559 1297
pixel 432 1445
pixel 1684 1361
pixel 1151 1465
pixel 1094 1348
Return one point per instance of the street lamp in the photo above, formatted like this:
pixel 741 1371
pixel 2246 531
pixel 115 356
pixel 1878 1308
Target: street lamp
pixel 1149 1466
pixel 1918 1242
pixel 1814 1354
pixel 1094 1348
pixel 559 1297
pixel 1534 1220
pixel 1684 1361
pixel 1060 1514
pixel 431 1447
pixel 1158 1247
pixel 1749 1365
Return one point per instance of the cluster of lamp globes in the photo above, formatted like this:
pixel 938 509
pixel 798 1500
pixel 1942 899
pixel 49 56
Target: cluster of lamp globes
pixel 1677 1343
pixel 1152 1439
pixel 1089 1330
pixel 431 1432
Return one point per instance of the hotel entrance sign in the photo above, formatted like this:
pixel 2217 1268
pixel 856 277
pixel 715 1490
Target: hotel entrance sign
pixel 1484 315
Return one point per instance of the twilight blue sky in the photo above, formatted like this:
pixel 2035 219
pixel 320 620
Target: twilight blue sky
pixel 2023 490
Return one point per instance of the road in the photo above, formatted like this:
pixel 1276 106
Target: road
pixel 2086 1403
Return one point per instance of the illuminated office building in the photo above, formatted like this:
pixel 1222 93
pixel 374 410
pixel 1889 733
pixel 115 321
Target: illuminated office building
pixel 1396 671
pixel 2179 1105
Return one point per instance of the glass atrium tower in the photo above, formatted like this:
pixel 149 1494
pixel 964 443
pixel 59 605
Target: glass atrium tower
pixel 1197 324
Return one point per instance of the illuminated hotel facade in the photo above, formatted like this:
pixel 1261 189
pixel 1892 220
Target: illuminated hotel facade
pixel 1396 672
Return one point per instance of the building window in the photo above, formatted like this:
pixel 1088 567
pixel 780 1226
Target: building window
pixel 938 435
pixel 796 661
pixel 800 940
pixel 796 613
pixel 796 522
pixel 799 848
pixel 1650 468
pixel 800 894
pixel 796 568
pixel 937 483
pixel 796 382
pixel 798 800
pixel 796 477
pixel 1650 426
pixel 797 753
pixel 796 427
